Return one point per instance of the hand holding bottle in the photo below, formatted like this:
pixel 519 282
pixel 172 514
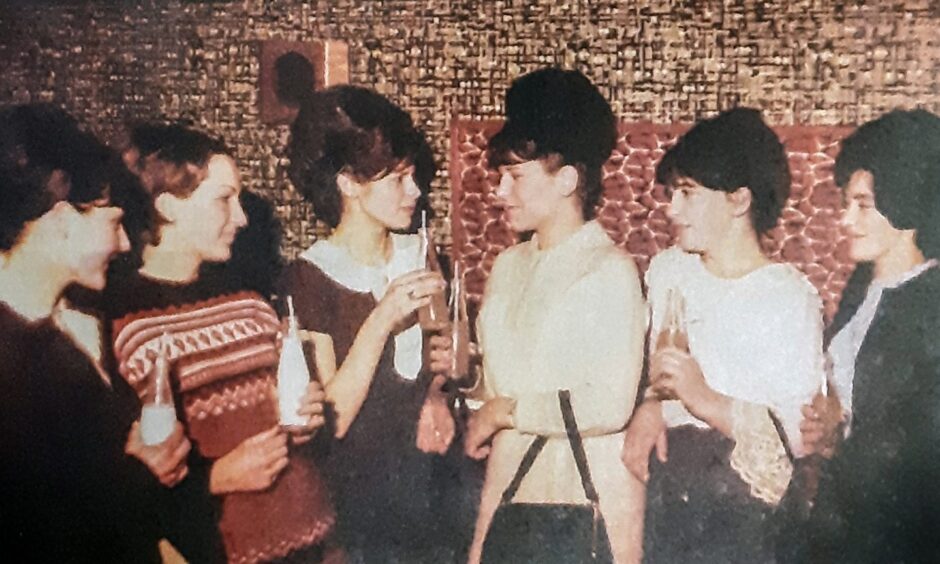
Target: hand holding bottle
pixel 167 459
pixel 311 407
pixel 251 466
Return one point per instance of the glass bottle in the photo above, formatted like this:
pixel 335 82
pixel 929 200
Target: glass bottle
pixel 293 374
pixel 459 328
pixel 158 415
pixel 433 316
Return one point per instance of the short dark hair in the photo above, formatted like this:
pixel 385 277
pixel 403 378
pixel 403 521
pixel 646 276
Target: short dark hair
pixel 37 140
pixel 169 158
pixel 901 150
pixel 352 130
pixel 735 149
pixel 559 117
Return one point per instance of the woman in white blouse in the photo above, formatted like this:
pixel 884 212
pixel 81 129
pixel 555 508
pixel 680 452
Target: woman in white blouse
pixel 563 310
pixel 754 354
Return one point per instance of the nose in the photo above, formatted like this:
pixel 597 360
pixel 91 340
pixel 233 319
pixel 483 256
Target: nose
pixel 239 219
pixel 675 205
pixel 124 244
pixel 505 187
pixel 411 187
pixel 848 216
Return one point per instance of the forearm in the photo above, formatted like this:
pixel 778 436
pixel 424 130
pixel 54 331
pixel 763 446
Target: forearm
pixel 348 388
pixel 716 410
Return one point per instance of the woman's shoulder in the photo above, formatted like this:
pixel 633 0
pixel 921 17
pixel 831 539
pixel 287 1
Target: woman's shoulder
pixel 785 280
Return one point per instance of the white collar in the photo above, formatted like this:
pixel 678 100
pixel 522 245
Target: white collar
pixel 338 264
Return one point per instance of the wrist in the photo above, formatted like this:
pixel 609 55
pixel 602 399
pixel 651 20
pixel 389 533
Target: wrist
pixel 377 324
pixel 219 479
pixel 711 406
pixel 505 412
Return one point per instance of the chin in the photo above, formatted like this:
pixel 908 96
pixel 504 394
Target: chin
pixel 95 282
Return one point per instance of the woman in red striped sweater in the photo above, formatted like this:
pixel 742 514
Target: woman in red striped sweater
pixel 223 350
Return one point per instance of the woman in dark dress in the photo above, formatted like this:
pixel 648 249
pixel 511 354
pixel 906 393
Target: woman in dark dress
pixel 224 355
pixel 879 495
pixel 357 158
pixel 77 482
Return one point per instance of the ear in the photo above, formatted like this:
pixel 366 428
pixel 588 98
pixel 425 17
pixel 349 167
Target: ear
pixel 59 217
pixel 347 185
pixel 166 206
pixel 566 180
pixel 741 199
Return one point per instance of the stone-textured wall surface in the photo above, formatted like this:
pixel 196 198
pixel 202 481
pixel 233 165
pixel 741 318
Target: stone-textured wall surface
pixel 819 62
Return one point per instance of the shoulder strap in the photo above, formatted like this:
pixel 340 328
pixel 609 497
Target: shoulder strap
pixel 534 449
pixel 577 447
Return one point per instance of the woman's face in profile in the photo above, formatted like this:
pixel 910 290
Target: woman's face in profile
pixel 208 220
pixel 525 193
pixel 95 236
pixel 391 199
pixel 701 215
pixel 869 232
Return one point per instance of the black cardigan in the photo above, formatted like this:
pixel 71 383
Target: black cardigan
pixel 68 492
pixel 879 497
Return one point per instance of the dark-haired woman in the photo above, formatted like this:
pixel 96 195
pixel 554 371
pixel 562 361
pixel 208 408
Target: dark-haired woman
pixel 358 159
pixel 224 350
pixel 77 482
pixel 754 354
pixel 879 496
pixel 562 311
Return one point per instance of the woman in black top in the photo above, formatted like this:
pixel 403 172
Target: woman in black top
pixel 879 495
pixel 77 483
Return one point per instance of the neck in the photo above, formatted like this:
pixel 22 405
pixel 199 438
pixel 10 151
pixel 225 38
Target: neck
pixel 170 262
pixel 897 261
pixel 738 254
pixel 366 240
pixel 564 223
pixel 31 285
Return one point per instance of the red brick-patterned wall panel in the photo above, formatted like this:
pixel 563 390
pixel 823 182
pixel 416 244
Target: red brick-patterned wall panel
pixel 633 206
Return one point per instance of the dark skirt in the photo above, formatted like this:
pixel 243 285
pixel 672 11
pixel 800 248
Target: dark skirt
pixel 699 510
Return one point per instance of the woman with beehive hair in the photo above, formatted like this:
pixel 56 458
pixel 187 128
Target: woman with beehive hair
pixel 563 316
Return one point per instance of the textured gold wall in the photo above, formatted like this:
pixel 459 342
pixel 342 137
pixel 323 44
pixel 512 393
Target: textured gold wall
pixel 802 61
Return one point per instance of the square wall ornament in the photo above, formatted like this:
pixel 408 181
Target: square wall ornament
pixel 292 69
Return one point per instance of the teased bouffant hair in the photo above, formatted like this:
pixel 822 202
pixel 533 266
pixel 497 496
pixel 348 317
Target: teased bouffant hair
pixel 46 158
pixel 901 150
pixel 735 149
pixel 352 130
pixel 169 158
pixel 559 117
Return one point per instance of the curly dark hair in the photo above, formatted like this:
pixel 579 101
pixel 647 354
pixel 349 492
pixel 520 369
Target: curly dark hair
pixel 735 149
pixel 559 117
pixel 46 158
pixel 901 150
pixel 352 130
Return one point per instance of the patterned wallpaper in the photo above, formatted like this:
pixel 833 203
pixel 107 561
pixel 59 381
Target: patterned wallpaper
pixel 803 61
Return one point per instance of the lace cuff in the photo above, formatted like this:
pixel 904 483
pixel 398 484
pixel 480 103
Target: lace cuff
pixel 758 456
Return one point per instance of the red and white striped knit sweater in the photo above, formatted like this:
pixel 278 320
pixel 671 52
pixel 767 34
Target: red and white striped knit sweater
pixel 224 358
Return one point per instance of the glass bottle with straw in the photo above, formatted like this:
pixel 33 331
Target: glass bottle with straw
pixel 158 416
pixel 433 316
pixel 292 374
